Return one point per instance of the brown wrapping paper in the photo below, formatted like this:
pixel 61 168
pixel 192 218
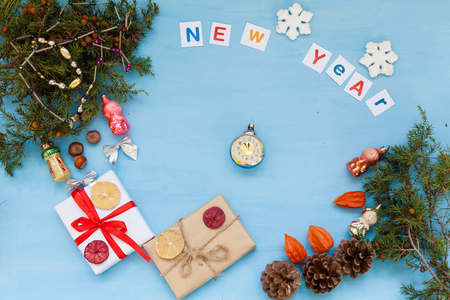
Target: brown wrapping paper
pixel 234 237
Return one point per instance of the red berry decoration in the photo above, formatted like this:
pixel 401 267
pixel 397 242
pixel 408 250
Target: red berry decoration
pixel 96 252
pixel 213 217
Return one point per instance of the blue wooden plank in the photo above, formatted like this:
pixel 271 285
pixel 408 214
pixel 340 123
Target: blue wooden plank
pixel 199 101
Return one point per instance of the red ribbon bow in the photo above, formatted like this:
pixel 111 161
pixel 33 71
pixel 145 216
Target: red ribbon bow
pixel 91 224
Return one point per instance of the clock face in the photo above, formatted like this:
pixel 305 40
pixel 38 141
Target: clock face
pixel 247 151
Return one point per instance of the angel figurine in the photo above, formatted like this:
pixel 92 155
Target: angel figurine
pixel 369 217
pixel 117 122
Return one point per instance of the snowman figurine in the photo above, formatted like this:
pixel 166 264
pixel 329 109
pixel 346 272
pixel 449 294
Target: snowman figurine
pixel 368 218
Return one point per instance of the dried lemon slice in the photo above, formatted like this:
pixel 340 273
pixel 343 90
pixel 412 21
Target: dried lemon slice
pixel 105 195
pixel 169 244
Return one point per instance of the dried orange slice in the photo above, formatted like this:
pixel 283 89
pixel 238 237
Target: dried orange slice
pixel 105 195
pixel 169 244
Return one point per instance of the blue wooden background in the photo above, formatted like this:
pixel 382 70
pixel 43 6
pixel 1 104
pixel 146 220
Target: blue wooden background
pixel 199 101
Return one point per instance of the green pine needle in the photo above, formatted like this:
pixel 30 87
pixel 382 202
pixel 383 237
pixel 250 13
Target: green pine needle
pixel 7 8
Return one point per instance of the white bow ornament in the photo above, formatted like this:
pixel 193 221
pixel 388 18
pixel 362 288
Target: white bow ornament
pixel 88 179
pixel 127 146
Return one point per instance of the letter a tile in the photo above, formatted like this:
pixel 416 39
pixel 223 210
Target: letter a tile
pixel 358 86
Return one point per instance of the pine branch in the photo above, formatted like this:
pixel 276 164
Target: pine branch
pixel 416 247
pixel 7 8
pixel 413 185
pixel 111 79
pixel 7 66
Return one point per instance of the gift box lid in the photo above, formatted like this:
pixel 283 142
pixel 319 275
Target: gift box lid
pixel 137 227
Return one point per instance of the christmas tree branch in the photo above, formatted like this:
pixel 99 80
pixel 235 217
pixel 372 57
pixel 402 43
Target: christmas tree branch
pixel 412 184
pixel 416 247
pixel 7 66
pixel 31 123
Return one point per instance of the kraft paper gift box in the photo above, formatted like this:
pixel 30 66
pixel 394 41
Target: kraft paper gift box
pixel 202 242
pixel 137 228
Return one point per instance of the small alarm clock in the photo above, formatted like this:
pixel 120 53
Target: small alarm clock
pixel 247 151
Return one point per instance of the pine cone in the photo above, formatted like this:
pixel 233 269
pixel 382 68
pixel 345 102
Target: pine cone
pixel 321 272
pixel 280 280
pixel 356 258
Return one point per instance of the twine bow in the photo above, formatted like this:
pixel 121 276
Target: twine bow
pixel 196 254
pixel 87 179
pixel 219 252
pixel 127 146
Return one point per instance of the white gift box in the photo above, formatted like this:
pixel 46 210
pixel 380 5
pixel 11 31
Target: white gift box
pixel 137 228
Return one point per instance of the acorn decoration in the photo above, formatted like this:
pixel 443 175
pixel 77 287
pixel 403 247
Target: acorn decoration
pixel 80 161
pixel 321 273
pixel 93 137
pixel 369 157
pixel 355 257
pixel 280 280
pixel 76 149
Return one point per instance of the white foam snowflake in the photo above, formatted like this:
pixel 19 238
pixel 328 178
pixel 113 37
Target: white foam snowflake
pixel 297 18
pixel 379 58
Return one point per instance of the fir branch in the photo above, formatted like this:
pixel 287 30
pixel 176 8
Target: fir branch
pixel 7 66
pixel 7 8
pixel 416 247
pixel 413 185
pixel 110 76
